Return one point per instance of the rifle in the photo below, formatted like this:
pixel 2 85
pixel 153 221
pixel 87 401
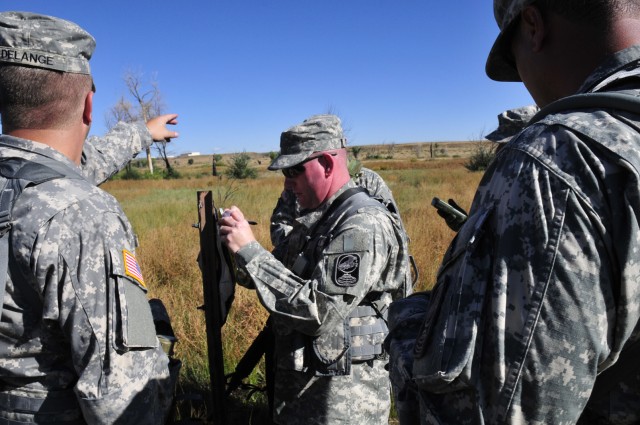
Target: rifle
pixel 218 283
pixel 263 344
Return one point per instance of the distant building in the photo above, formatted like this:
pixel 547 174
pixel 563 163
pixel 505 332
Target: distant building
pixel 190 154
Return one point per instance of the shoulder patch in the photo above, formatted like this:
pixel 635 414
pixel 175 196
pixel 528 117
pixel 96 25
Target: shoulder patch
pixel 347 270
pixel 131 267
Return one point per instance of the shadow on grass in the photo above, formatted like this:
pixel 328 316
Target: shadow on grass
pixel 193 406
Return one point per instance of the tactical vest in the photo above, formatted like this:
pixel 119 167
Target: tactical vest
pixel 15 175
pixel 364 330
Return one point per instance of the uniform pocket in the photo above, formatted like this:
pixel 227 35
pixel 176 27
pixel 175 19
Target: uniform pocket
pixel 132 318
pixel 445 344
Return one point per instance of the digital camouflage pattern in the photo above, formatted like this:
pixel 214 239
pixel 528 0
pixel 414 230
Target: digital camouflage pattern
pixel 76 337
pixel 40 41
pixel 511 122
pixel 356 256
pixel 538 292
pixel 405 318
pixel 316 134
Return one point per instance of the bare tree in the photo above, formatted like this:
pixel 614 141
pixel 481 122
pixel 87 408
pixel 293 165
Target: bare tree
pixel 346 126
pixel 147 103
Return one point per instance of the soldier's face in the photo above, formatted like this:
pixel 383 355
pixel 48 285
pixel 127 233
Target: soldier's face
pixel 308 182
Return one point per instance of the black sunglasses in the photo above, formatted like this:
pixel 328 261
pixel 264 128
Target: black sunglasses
pixel 296 170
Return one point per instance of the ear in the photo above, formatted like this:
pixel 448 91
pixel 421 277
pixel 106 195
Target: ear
pixel 87 113
pixel 329 164
pixel 533 27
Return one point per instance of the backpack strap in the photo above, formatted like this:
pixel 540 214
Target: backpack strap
pixel 624 101
pixel 15 175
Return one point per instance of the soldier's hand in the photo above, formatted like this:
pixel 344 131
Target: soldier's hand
pixel 158 127
pixel 454 222
pixel 235 231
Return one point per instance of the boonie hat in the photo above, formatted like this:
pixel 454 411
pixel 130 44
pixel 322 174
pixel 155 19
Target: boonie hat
pixel 500 66
pixel 511 122
pixel 317 133
pixel 41 41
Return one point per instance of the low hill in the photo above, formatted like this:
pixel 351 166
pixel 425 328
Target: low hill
pixel 419 151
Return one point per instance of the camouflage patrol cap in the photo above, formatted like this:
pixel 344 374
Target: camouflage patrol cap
pixel 316 134
pixel 511 122
pixel 41 41
pixel 500 65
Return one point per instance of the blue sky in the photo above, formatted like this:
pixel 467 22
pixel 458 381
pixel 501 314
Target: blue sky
pixel 239 72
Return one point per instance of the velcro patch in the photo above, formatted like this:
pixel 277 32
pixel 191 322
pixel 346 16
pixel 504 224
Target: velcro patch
pixel 347 270
pixel 131 267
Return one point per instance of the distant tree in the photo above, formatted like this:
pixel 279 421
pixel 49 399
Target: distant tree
pixel 147 103
pixel 355 150
pixel 417 149
pixel 240 168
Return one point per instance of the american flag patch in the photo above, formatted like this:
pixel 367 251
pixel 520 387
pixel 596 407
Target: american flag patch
pixel 131 267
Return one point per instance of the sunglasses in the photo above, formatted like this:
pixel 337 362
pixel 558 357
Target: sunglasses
pixel 296 170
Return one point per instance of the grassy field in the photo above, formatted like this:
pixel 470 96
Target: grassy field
pixel 163 213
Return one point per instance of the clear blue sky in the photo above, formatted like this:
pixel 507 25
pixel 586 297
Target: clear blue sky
pixel 240 72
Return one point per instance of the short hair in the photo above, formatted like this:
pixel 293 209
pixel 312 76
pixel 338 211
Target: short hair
pixel 597 13
pixel 35 98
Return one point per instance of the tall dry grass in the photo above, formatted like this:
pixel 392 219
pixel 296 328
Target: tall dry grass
pixel 162 213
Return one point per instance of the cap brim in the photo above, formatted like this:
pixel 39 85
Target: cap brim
pixel 286 161
pixel 500 66
pixel 495 136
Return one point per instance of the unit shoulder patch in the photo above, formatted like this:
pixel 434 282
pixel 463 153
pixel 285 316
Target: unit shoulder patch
pixel 347 270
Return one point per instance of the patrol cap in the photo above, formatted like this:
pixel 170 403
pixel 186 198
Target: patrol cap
pixel 41 41
pixel 317 133
pixel 511 122
pixel 500 66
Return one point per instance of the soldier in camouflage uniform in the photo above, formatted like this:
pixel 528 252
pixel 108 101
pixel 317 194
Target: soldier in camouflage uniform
pixel 346 260
pixel 536 302
pixel 77 340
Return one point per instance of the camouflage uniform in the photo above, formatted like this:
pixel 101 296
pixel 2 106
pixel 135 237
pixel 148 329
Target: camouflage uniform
pixel 538 292
pixel 77 339
pixel 338 263
pixel 511 122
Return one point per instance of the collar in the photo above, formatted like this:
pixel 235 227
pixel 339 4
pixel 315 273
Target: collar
pixel 625 61
pixel 28 149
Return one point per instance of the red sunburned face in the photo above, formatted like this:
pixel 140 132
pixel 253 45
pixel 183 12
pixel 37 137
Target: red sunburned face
pixel 308 182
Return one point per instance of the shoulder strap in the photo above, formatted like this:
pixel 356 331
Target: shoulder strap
pixel 17 174
pixel 337 203
pixel 611 100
